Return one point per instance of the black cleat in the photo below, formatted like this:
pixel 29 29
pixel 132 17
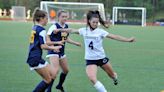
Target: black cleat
pixel 115 82
pixel 60 88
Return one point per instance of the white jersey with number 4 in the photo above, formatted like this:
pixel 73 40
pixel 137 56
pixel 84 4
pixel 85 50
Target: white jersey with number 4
pixel 93 43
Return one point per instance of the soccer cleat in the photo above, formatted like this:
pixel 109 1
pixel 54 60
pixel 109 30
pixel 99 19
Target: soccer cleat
pixel 115 80
pixel 60 88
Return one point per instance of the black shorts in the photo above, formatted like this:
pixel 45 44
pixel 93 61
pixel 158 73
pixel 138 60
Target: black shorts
pixel 35 61
pixel 99 62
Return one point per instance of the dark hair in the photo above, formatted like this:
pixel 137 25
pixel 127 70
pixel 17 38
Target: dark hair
pixel 60 12
pixel 95 14
pixel 38 14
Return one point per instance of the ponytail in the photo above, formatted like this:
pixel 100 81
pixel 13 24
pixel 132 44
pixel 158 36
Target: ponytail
pixel 102 22
pixel 38 14
pixel 96 14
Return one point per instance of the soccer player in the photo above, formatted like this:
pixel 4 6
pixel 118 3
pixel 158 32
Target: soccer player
pixel 57 34
pixel 37 43
pixel 94 53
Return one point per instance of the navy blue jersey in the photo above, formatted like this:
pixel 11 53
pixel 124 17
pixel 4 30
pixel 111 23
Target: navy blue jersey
pixel 37 38
pixel 57 37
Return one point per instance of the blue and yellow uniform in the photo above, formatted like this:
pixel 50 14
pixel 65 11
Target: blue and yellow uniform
pixel 57 37
pixel 37 38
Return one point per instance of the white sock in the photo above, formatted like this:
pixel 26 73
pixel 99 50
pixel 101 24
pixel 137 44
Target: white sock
pixel 116 77
pixel 100 87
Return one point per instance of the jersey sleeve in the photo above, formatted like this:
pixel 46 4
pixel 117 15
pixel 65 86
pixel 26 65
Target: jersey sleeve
pixel 81 31
pixel 42 37
pixel 104 33
pixel 51 29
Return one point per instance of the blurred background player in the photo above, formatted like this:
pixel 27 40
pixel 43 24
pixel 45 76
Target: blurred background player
pixel 4 12
pixel 37 43
pixel 11 13
pixel 94 52
pixel 0 12
pixel 28 14
pixel 57 34
pixel 52 14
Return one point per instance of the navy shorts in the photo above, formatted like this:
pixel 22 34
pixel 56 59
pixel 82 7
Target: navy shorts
pixel 99 62
pixel 36 62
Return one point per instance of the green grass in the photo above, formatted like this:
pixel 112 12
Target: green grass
pixel 139 65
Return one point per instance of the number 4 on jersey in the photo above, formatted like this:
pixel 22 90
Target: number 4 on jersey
pixel 91 45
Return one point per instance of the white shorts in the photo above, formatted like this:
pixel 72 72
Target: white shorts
pixel 39 66
pixel 56 55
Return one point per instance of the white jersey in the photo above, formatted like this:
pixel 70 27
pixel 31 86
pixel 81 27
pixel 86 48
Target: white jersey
pixel 93 43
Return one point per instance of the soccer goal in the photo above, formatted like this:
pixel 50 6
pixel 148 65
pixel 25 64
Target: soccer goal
pixel 129 15
pixel 18 13
pixel 77 11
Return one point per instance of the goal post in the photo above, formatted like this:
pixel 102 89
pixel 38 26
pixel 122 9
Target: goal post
pixel 142 9
pixel 18 13
pixel 76 10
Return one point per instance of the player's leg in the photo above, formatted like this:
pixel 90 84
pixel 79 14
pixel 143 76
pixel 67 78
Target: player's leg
pixel 54 65
pixel 65 70
pixel 44 72
pixel 108 69
pixel 91 71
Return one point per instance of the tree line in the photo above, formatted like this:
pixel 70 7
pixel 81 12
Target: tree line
pixel 153 6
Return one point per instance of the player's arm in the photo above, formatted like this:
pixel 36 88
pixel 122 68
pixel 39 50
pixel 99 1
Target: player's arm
pixel 75 31
pixel 120 38
pixel 73 42
pixel 49 42
pixel 68 30
pixel 55 30
pixel 43 44
pixel 55 48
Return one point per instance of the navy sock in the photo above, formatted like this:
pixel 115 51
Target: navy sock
pixel 41 87
pixel 50 86
pixel 62 79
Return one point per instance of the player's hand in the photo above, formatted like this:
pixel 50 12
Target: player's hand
pixel 132 39
pixel 68 30
pixel 78 44
pixel 60 42
pixel 57 48
pixel 107 23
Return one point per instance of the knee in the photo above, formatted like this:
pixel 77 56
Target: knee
pixel 48 80
pixel 54 74
pixel 92 78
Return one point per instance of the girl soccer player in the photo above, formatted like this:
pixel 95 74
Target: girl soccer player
pixel 37 43
pixel 94 52
pixel 57 34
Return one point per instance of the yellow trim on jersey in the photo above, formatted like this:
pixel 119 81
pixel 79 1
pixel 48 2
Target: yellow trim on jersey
pixel 32 36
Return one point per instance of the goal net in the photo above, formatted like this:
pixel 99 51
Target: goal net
pixel 18 13
pixel 77 11
pixel 129 16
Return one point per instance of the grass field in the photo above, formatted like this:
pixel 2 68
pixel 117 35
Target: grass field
pixel 140 65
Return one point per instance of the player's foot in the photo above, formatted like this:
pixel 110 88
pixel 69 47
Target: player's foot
pixel 60 88
pixel 115 80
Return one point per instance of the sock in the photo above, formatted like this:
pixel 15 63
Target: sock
pixel 115 76
pixel 41 87
pixel 50 86
pixel 100 87
pixel 62 79
pixel 115 80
